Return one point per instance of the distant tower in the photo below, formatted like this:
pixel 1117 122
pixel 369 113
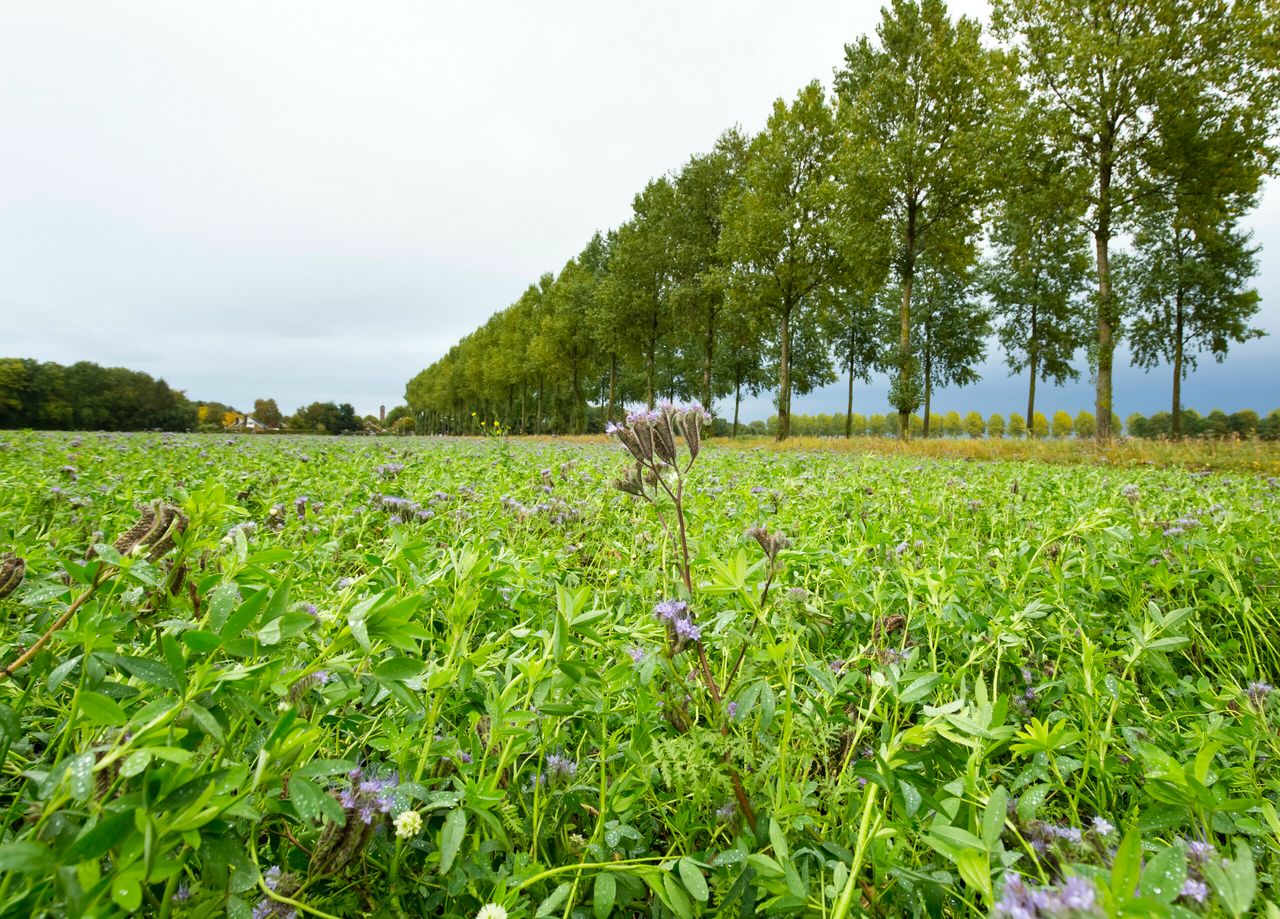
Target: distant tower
pixel 382 414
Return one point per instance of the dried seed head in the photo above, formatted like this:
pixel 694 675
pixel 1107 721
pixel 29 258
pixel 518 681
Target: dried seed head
pixel 158 524
pixel 691 427
pixel 630 483
pixel 131 537
pixel 12 570
pixel 771 543
pixel 664 437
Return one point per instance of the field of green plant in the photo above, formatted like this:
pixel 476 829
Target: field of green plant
pixel 425 677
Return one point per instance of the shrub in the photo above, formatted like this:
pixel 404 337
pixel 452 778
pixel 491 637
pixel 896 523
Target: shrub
pixel 1061 424
pixel 1017 425
pixel 995 425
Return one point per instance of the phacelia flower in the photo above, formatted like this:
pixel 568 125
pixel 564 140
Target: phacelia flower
pixel 1258 692
pixel 1102 826
pixel 1194 890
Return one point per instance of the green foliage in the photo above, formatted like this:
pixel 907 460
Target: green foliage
pixel 49 396
pixel 970 660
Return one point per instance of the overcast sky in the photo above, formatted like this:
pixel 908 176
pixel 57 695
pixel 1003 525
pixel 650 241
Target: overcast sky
pixel 313 200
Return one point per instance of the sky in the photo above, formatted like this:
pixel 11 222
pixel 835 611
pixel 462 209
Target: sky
pixel 313 200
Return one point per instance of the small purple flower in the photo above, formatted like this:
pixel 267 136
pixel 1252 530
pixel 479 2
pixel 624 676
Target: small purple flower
pixel 670 610
pixel 182 894
pixel 637 653
pixel 686 629
pixel 1102 826
pixel 732 709
pixel 271 877
pixel 1078 893
pixel 727 811
pixel 1258 692
pixel 561 767
pixel 1200 851
pixel 1194 890
pixel 465 758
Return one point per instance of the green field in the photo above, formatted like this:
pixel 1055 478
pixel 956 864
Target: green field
pixel 418 676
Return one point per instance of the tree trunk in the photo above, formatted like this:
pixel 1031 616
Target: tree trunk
pixel 524 385
pixel 1177 367
pixel 613 383
pixel 1031 394
pixel 928 397
pixel 737 401
pixel 784 382
pixel 537 421
pixel 904 320
pixel 1106 343
pixel 575 409
pixel 706 361
pixel 848 413
pixel 650 396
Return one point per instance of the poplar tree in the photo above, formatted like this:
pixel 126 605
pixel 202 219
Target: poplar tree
pixel 916 112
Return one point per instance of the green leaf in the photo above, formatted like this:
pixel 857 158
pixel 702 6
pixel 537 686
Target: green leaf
pixel 399 669
pixel 975 868
pixel 149 671
pixel 203 717
pixel 778 839
pixel 306 797
pixel 693 880
pixel 919 688
pixel 1235 881
pixel 126 890
pixel 25 855
pixel 604 894
pixel 134 763
pixel 96 841
pixel 451 836
pixel 994 816
pixel 677 897
pixel 1029 801
pixel 552 902
pixel 910 797
pixel 1164 875
pixel 1127 867
pixel 100 709
pixel 244 614
pixel 200 641
pixel 318 768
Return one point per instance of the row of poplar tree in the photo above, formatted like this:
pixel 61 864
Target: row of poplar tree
pixel 1077 171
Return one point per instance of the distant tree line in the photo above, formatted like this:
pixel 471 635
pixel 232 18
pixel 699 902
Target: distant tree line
pixel 1217 424
pixel 44 395
pixel 952 188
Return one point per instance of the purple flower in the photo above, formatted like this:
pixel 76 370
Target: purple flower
pixel 1200 851
pixel 727 811
pixel 182 894
pixel 1194 890
pixel 732 709
pixel 686 629
pixel 637 653
pixel 1258 692
pixel 1078 893
pixel 561 767
pixel 271 877
pixel 670 610
pixel 1102 826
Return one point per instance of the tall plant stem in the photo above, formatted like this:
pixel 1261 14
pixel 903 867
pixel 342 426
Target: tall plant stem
pixel 57 624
